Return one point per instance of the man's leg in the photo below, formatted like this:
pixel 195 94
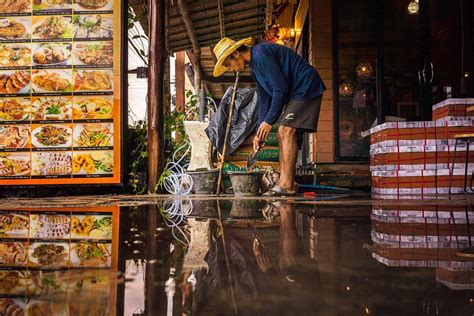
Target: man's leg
pixel 288 153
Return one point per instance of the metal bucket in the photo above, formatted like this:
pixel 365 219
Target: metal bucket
pixel 204 182
pixel 246 183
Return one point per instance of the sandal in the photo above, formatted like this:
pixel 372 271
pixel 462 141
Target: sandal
pixel 278 191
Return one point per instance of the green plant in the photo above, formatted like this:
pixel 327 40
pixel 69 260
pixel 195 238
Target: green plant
pixel 138 156
pixel 174 130
pixel 192 106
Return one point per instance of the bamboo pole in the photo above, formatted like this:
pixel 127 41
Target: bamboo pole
pixel 227 261
pixel 157 55
pixel 227 132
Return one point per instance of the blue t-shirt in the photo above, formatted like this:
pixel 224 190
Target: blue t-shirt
pixel 281 76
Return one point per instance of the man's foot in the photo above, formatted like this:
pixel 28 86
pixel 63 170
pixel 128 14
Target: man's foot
pixel 279 191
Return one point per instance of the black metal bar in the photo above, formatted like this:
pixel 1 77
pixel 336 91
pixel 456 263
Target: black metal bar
pixel 124 149
pixel 425 60
pixel 466 165
pixel 202 104
pixel 452 166
pixel 335 77
pixel 380 70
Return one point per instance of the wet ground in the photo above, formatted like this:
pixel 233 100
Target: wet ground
pixel 332 255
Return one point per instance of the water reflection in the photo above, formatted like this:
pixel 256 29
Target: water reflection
pixel 434 236
pixel 240 257
pixel 246 257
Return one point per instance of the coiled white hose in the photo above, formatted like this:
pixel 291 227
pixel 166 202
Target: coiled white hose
pixel 175 212
pixel 178 182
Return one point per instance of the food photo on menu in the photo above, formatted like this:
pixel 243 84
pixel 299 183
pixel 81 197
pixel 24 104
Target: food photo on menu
pixel 91 254
pixel 93 135
pixel 52 54
pixel 92 107
pixel 93 5
pixel 13 282
pixel 42 282
pixel 15 304
pixel 15 82
pixel 14 109
pixel 54 163
pixel 93 27
pixel 15 6
pixel 16 164
pixel 14 225
pixel 91 226
pixel 51 81
pixel 52 27
pixel 51 108
pixel 15 55
pixel 50 226
pixel 51 6
pixel 15 29
pixel 41 254
pixel 14 136
pixel 93 80
pixel 93 162
pixel 39 307
pixel 93 54
pixel 13 253
pixel 51 136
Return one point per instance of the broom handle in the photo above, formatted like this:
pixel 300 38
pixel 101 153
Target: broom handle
pixel 227 132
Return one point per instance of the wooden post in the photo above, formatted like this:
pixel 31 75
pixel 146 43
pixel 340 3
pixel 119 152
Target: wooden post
pixel 180 81
pixel 180 86
pixel 157 55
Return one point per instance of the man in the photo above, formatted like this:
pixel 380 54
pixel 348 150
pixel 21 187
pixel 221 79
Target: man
pixel 290 92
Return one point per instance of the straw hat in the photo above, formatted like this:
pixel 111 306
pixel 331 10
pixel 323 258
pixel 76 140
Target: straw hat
pixel 224 49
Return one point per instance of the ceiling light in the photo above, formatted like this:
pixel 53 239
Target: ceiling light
pixel 413 7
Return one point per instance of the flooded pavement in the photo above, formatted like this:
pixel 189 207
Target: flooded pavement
pixel 333 255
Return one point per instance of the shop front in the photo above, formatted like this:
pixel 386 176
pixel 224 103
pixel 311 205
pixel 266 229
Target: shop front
pixel 385 61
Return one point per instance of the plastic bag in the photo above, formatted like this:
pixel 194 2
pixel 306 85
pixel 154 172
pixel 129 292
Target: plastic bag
pixel 244 119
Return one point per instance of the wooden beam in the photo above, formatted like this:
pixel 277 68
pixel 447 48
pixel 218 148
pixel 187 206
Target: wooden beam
pixel 180 81
pixel 220 5
pixel 212 39
pixel 269 14
pixel 195 7
pixel 300 18
pixel 157 55
pixel 214 27
pixel 200 25
pixel 183 8
pixel 211 10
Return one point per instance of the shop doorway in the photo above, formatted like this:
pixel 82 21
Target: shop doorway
pixel 399 58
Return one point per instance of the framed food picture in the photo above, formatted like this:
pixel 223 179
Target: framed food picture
pixel 62 90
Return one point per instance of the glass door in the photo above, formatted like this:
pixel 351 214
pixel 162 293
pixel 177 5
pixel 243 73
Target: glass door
pixel 423 63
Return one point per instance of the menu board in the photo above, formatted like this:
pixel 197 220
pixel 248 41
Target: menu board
pixel 60 109
pixel 66 253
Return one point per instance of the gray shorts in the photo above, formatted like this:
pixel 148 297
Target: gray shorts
pixel 302 115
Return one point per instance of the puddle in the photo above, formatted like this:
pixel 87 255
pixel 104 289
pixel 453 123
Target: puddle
pixel 333 255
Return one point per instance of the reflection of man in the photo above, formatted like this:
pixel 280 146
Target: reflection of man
pixel 262 282
pixel 290 92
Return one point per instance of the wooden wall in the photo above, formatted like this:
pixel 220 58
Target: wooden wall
pixel 320 52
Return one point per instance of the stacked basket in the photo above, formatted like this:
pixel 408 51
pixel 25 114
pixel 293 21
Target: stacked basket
pixel 416 157
pixel 424 236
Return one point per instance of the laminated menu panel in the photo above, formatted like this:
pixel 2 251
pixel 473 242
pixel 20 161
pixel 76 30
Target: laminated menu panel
pixel 61 92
